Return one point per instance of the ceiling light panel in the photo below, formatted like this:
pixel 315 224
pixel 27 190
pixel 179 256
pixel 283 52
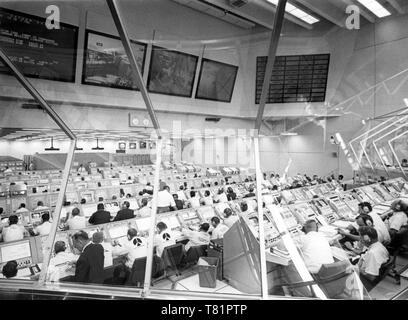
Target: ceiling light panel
pixel 298 13
pixel 375 7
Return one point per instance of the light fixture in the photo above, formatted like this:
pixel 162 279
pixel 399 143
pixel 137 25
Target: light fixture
pixel 298 13
pixel 52 146
pixel 375 7
pixel 289 134
pixel 97 146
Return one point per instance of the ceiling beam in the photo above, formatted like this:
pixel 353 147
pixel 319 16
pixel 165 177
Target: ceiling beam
pixel 325 10
pixel 364 12
pixel 396 6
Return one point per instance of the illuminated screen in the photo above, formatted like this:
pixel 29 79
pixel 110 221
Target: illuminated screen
pixel 88 210
pixel 118 231
pixel 268 199
pixel 171 222
pixel 143 224
pixel 15 251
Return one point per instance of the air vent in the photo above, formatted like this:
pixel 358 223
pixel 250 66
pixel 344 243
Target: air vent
pixel 212 119
pixel 238 3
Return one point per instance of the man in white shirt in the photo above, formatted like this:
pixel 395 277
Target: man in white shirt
pixel 40 206
pixel 76 221
pixel 165 200
pixel 14 231
pixel 370 263
pixel 194 201
pixel 144 210
pixel 315 248
pixel 181 195
pixel 218 228
pixel 220 197
pixel 22 208
pixel 229 219
pixel 163 238
pixel 134 248
pixel 45 227
pixel 197 238
pixel 207 200
pixel 61 264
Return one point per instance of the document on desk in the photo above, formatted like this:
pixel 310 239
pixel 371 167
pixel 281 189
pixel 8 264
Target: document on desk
pixel 341 224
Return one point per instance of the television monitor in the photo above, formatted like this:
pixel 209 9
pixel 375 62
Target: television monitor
pixel 206 213
pixel 216 81
pixel 143 224
pixel 118 231
pixel 15 251
pixel 171 221
pixel 171 72
pixel 37 51
pixel 106 63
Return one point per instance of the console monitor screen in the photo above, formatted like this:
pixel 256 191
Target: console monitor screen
pixel 118 231
pixel 15 251
pixel 171 222
pixel 143 224
pixel 222 206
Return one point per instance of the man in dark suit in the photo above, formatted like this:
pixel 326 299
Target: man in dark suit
pixel 179 203
pixel 100 216
pixel 89 267
pixel 125 213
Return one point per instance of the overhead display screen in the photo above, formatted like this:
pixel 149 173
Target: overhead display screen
pixel 216 81
pixel 171 72
pixel 106 63
pixel 37 51
pixel 301 78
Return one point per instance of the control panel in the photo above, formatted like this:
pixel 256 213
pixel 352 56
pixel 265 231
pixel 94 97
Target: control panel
pixel 351 201
pixel 190 218
pixel 340 207
pixel 374 196
pixel 302 212
pixel 325 210
pixel 206 213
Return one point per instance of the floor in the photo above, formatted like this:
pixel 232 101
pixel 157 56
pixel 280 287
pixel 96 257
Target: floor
pixel 387 288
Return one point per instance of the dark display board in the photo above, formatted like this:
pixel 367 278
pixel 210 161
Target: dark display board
pixel 143 144
pixel 37 51
pixel 106 63
pixel 216 81
pixel 171 72
pixel 294 78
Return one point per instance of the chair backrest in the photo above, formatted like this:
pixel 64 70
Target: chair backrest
pixel 194 253
pixel 332 277
pixel 137 273
pixel 173 254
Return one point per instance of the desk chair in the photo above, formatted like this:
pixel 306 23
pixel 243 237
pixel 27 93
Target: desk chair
pixel 331 278
pixel 194 253
pixel 173 256
pixel 137 274
pixel 385 270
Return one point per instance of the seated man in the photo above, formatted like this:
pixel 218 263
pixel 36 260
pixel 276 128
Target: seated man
pixel 76 221
pixel 181 194
pixel 163 238
pixel 220 196
pixel 125 213
pixel 144 210
pixel 229 219
pixel 14 231
pixel 60 259
pixel 315 247
pixel 197 238
pixel 22 208
pixel 398 218
pixel 100 216
pixel 207 200
pixel 45 227
pixel 179 203
pixel 194 201
pixel 231 195
pixel 251 193
pixel 10 269
pixel 370 262
pixel 219 228
pixel 134 248
pixel 379 225
pixel 40 206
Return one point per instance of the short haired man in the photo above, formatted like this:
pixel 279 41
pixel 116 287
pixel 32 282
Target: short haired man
pixel 22 208
pixel 398 217
pixel 220 196
pixel 100 216
pixel 76 221
pixel 125 213
pixel 197 238
pixel 45 227
pixel 58 264
pixel 163 238
pixel 219 228
pixel 165 200
pixel 370 262
pixel 207 200
pixel 179 203
pixel 14 231
pixel 229 219
pixel 315 248
pixel 194 201
pixel 181 194
pixel 144 210
pixel 10 269
pixel 40 206
pixel 89 266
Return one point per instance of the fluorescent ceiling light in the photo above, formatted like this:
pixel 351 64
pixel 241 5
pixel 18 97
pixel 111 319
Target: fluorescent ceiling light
pixel 375 7
pixel 298 13
pixel 289 134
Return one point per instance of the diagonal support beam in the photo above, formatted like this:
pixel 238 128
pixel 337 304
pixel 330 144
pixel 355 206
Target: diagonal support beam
pixel 273 47
pixel 137 75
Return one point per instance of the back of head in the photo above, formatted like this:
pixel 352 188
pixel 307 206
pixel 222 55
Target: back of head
pixel 97 237
pixel 370 232
pixel 251 189
pixel 40 204
pixel 144 202
pixel 229 190
pixel 175 196
pixel 366 219
pixel 59 246
pixel 45 217
pixel 181 188
pixel 75 212
pixel 161 226
pixel 215 220
pixel 204 227
pixel 310 225
pixel 244 206
pixel 227 212
pixel 83 201
pixel 81 235
pixel 126 204
pixel 101 206
pixel 192 193
pixel 132 232
pixel 13 219
pixel 10 269
pixel 22 205
pixel 207 193
pixel 365 206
